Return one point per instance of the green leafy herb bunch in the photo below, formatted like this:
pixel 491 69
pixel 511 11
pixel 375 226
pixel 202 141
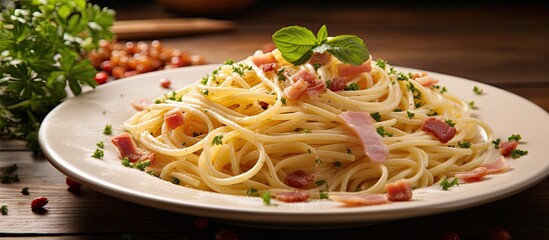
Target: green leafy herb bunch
pixel 43 44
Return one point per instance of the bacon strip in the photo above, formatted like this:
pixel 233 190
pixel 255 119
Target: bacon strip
pixel 474 175
pixel 174 118
pixel 321 58
pixel 441 130
pixel 259 60
pixel 424 79
pixel 127 148
pixel 360 199
pixel 363 125
pixel 497 166
pixel 348 69
pixel 294 196
pixel 141 104
pixel 338 84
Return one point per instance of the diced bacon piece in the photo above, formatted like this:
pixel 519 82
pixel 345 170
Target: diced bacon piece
pixel 348 69
pixel 300 179
pixel 399 191
pixel 127 148
pixel 338 84
pixel 141 104
pixel 474 175
pixel 304 82
pixel 294 91
pixel 321 58
pixel 174 118
pixel 267 67
pixel 505 148
pixel 424 79
pixel 497 166
pixel 294 196
pixel 305 75
pixel 360 199
pixel 316 88
pixel 441 130
pixel 363 125
pixel 263 105
pixel 259 60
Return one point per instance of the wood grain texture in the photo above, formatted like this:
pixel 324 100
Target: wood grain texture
pixel 502 45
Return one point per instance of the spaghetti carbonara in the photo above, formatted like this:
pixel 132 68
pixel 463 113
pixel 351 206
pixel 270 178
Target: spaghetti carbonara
pixel 264 124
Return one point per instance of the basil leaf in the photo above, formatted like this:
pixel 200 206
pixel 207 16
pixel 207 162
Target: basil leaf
pixel 304 58
pixel 322 35
pixel 349 49
pixel 294 42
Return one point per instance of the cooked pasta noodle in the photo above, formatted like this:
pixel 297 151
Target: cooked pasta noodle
pixel 241 132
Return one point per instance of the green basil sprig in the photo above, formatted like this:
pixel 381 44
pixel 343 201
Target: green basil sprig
pixel 297 45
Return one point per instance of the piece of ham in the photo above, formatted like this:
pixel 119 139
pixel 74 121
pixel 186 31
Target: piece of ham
pixel 261 59
pixel 441 130
pixel 304 83
pixel 294 196
pixel 424 79
pixel 399 191
pixel 127 148
pixel 268 67
pixel 477 174
pixel 174 119
pixel 345 69
pixel 359 199
pixel 505 148
pixel 300 179
pixel 141 104
pixel 363 125
pixel 320 58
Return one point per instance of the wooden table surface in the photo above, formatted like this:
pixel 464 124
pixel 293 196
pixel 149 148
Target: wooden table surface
pixel 506 46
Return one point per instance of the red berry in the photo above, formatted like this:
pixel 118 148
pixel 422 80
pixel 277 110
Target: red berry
pixel 165 83
pixel 72 183
pixel 39 202
pixel 101 77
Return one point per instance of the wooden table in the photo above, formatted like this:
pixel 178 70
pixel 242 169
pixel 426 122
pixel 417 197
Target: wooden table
pixel 503 45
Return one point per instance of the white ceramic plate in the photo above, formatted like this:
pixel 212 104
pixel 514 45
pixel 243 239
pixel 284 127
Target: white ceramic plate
pixel 69 134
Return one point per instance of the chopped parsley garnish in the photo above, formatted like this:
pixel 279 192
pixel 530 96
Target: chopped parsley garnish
pixel 204 79
pixel 381 131
pixel 472 105
pixel 107 130
pixel 376 116
pixel 175 180
pixel 280 74
pixel 516 153
pixel 318 161
pixel 100 144
pixel 477 90
pixel 496 143
pixel 309 151
pixel 4 210
pixel 252 192
pixel 9 175
pixel 323 194
pixel 316 66
pixel 397 110
pixel 445 184
pixel 514 137
pixel 99 154
pixel 337 165
pixel 205 92
pixel 432 113
pixel 464 144
pixel 228 62
pixel 283 100
pixel 402 77
pixel 349 151
pixel 381 63
pixel 25 191
pixel 410 114
pixel 266 196
pixel 321 182
pixel 351 87
pixel 450 122
pixel 217 140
